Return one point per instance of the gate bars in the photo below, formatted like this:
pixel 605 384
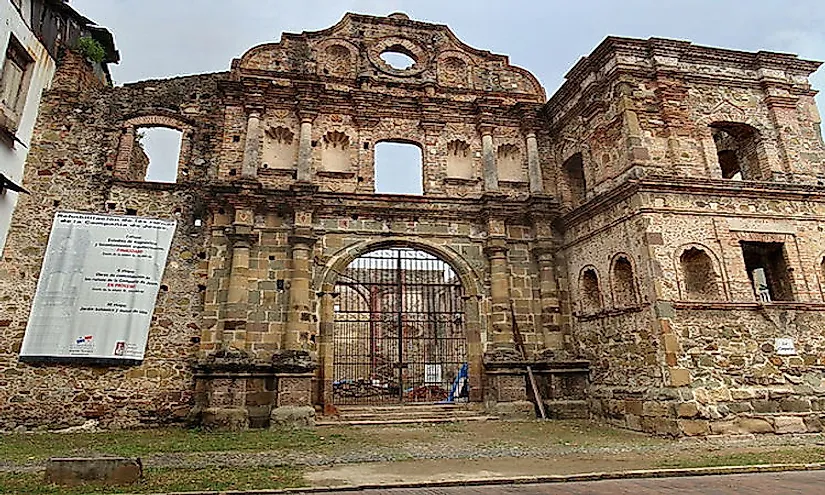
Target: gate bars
pixel 399 329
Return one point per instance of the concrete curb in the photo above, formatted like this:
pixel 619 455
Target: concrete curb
pixel 524 480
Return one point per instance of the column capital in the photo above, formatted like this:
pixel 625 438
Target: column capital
pixel 496 248
pixel 544 250
pixel 302 236
pixel 240 237
pixel 485 129
pixel 307 115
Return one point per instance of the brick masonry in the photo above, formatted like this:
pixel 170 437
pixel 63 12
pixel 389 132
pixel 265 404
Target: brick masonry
pixel 576 211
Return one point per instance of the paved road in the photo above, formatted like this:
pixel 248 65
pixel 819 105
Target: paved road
pixel 807 482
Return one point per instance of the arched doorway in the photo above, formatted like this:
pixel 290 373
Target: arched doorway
pixel 398 333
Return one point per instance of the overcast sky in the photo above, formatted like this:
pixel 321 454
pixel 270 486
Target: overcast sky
pixel 163 38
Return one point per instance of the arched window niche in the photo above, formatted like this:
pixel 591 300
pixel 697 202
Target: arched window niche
pixel 590 294
pixel 699 279
pixel 623 282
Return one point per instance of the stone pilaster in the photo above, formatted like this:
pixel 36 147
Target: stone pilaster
pixel 326 350
pixel 534 165
pixel 496 251
pixel 549 294
pixel 488 158
pixel 299 318
pixel 235 313
pixel 305 147
pixel 252 148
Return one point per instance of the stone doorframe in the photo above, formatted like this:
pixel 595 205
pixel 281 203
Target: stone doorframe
pixel 473 293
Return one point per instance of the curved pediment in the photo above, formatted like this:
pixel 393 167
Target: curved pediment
pixel 353 50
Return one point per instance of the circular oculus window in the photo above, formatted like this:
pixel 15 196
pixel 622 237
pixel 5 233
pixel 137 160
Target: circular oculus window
pixel 398 57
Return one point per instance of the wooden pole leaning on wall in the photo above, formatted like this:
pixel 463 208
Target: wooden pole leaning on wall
pixel 520 344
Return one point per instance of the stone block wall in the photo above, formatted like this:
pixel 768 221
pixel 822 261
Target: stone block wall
pixel 72 167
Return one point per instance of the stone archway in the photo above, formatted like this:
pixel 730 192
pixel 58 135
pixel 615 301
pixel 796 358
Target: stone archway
pixel 326 286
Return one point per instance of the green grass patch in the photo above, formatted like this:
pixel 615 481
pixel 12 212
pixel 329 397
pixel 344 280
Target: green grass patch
pixel 27 448
pixel 165 480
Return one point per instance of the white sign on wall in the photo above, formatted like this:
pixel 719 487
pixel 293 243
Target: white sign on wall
pixel 784 346
pixel 97 287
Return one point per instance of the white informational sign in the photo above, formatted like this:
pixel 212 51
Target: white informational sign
pixel 432 373
pixel 784 347
pixel 97 287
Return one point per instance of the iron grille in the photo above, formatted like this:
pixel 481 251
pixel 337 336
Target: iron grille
pixel 399 330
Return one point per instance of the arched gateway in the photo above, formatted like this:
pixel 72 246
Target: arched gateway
pixel 400 326
pixel 398 334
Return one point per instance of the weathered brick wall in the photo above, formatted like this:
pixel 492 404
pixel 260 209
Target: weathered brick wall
pixel 71 168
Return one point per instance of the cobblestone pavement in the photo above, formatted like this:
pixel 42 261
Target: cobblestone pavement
pixel 805 482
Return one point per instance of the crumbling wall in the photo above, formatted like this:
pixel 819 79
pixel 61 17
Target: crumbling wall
pixel 71 167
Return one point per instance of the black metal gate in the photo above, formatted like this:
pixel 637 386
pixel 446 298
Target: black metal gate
pixel 399 330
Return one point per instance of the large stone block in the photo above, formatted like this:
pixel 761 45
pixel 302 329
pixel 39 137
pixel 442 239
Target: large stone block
pixel 516 410
pixel 230 419
pixel 687 410
pixel 789 424
pixel 795 405
pixel 754 425
pixel 100 470
pixel 694 427
pixel 724 428
pixel 813 423
pixel 292 417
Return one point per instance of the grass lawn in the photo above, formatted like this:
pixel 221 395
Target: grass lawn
pixel 165 480
pixel 26 448
pixel 30 448
pixel 564 446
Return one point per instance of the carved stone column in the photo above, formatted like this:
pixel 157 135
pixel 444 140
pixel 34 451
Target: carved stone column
pixel 488 158
pixel 299 319
pixel 549 294
pixel 305 148
pixel 326 350
pixel 534 165
pixel 496 251
pixel 252 148
pixel 235 312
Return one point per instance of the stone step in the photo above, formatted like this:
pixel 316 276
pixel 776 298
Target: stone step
pixel 394 416
pixel 411 407
pixel 403 421
pixel 404 414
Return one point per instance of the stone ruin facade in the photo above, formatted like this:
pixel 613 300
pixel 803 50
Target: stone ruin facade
pixel 649 232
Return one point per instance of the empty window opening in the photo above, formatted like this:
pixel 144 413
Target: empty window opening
pixel 737 150
pixel 624 286
pixel 398 168
pixel 590 294
pixel 768 270
pixel 397 60
pixel 157 150
pixel 573 169
pixel 699 277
